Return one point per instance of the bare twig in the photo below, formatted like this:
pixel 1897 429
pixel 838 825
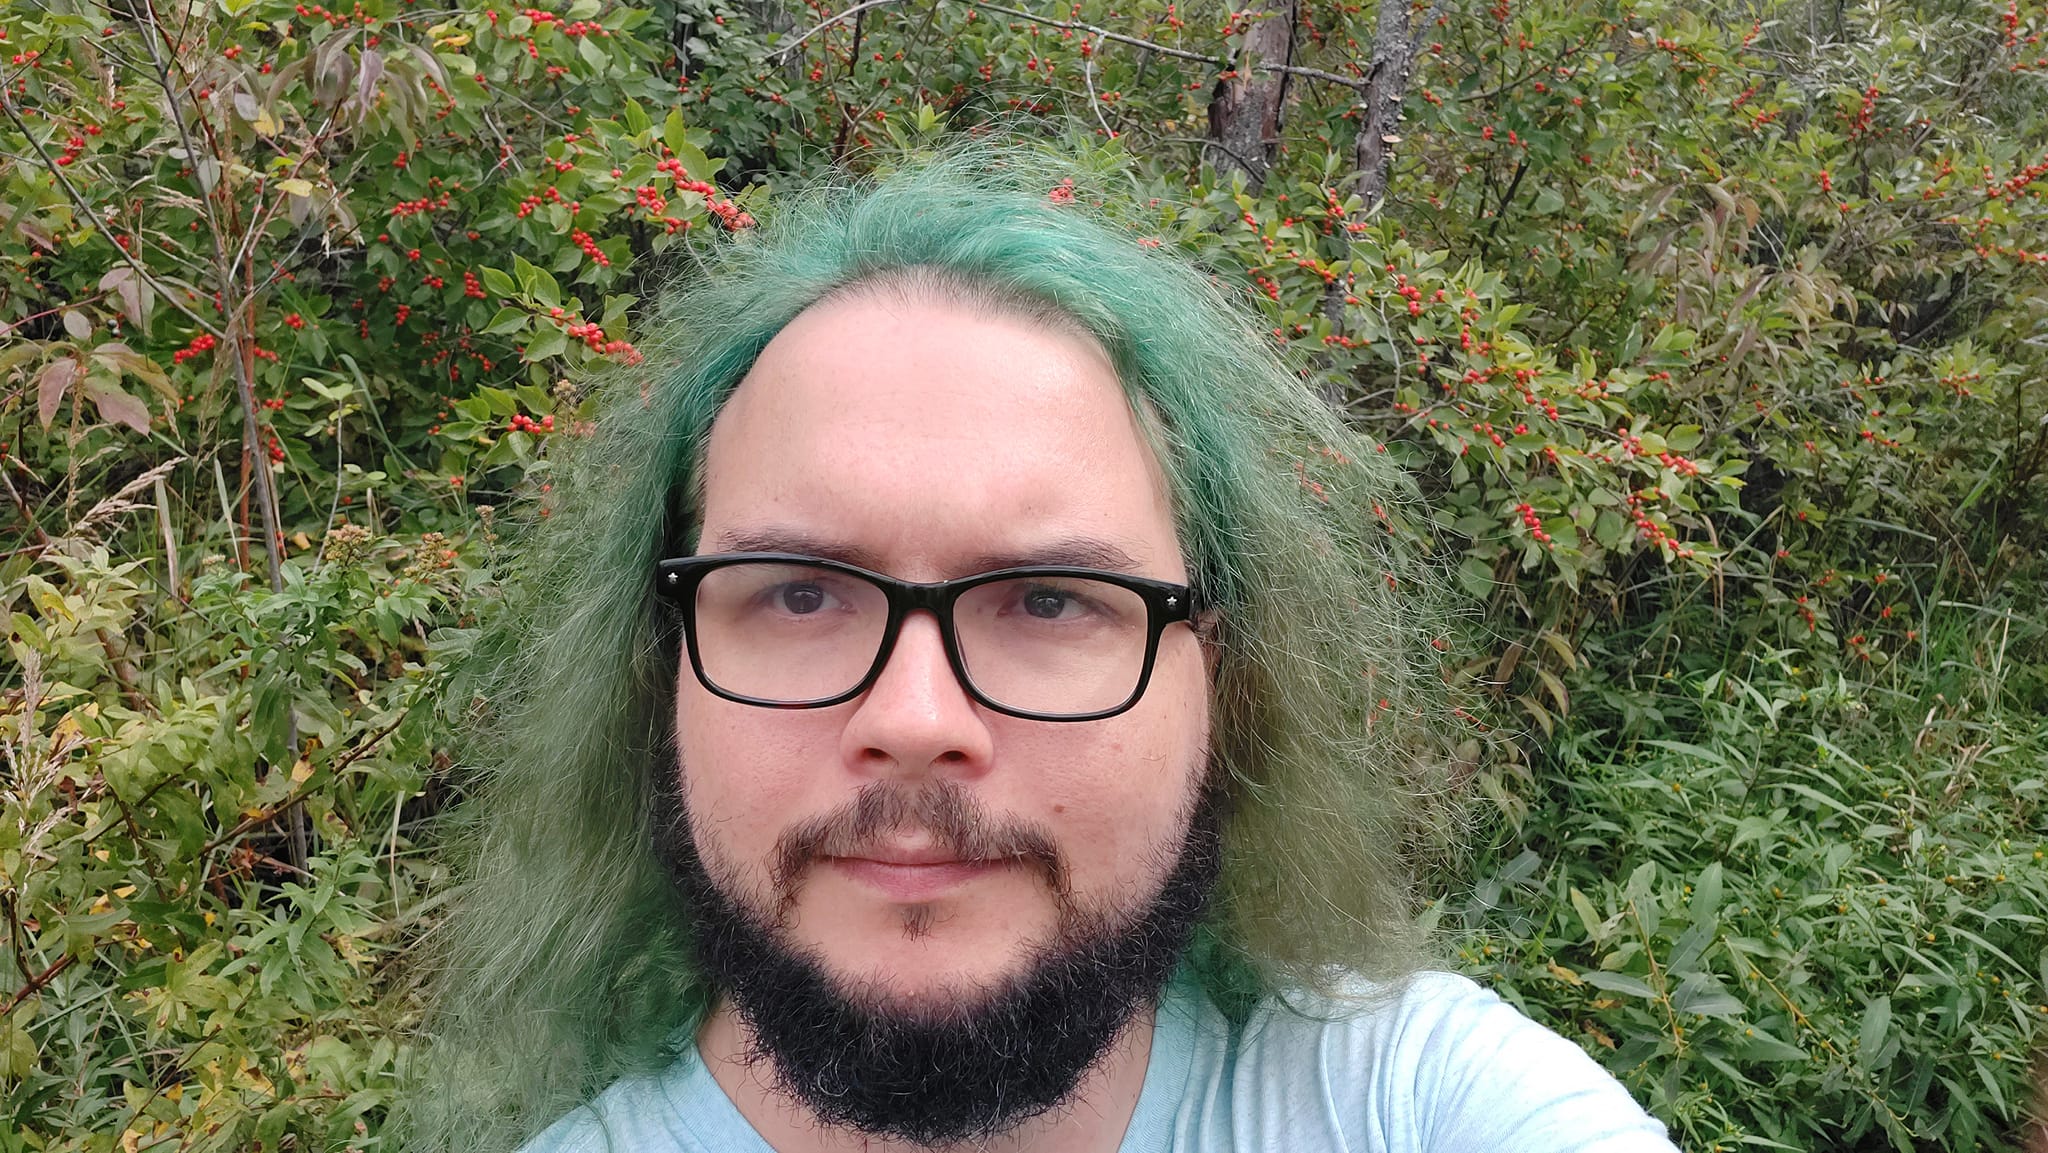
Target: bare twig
pixel 85 212
pixel 303 791
pixel 1094 100
pixel 1075 26
pixel 36 984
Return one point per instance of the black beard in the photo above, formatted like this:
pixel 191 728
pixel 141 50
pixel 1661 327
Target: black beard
pixel 952 1074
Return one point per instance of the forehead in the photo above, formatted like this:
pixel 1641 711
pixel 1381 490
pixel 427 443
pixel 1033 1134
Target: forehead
pixel 925 438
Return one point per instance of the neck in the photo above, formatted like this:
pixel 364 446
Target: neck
pixel 1093 1120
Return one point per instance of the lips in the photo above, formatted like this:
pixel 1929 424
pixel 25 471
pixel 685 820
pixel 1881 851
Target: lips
pixel 911 875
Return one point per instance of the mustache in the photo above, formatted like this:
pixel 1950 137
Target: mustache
pixel 944 809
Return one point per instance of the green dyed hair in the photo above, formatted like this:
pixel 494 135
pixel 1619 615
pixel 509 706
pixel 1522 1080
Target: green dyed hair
pixel 567 963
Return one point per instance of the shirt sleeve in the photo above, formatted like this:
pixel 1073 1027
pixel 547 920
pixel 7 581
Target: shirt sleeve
pixel 1451 1068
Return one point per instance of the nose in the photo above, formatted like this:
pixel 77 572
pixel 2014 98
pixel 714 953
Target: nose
pixel 917 718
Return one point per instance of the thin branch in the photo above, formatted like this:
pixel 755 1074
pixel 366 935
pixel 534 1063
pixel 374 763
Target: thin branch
pixel 36 984
pixel 1095 100
pixel 85 211
pixel 1353 82
pixel 1540 69
pixel 303 791
pixel 837 18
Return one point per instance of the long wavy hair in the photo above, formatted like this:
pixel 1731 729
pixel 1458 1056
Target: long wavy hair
pixel 566 962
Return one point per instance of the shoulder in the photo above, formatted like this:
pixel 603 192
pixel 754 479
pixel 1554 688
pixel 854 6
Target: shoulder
pixel 579 1131
pixel 623 1117
pixel 1434 1062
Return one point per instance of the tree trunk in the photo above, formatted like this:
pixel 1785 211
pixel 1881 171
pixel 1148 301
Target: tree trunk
pixel 1246 110
pixel 1394 45
pixel 1396 40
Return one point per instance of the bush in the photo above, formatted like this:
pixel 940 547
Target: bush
pixel 1711 335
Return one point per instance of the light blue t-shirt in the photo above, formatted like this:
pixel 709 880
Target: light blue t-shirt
pixel 1444 1067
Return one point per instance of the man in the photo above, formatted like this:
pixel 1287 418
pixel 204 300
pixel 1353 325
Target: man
pixel 969 700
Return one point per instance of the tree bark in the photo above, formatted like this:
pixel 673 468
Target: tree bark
pixel 1394 44
pixel 1396 39
pixel 1249 104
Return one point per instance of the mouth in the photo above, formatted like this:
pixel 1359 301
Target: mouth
pixel 911 877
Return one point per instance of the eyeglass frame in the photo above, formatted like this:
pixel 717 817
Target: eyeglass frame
pixel 1166 603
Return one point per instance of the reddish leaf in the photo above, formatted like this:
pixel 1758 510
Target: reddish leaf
pixel 135 294
pixel 51 386
pixel 116 405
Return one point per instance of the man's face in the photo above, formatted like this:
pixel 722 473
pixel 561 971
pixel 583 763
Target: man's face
pixel 927 443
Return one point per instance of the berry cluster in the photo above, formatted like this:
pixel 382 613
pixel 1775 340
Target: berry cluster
pixel 1683 466
pixel 728 213
pixel 423 204
pixel 336 19
pixel 1859 124
pixel 1408 290
pixel 201 344
pixel 2010 190
pixel 582 240
pixel 527 206
pixel 1533 523
pixel 73 147
pixel 524 423
pixel 592 335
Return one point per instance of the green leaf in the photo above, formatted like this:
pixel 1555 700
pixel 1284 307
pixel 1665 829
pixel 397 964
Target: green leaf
pixel 17 1048
pixel 549 341
pixel 498 283
pixel 1757 1045
pixel 675 132
pixel 508 320
pixel 544 288
pixel 1705 997
pixel 526 272
pixel 1877 1021
pixel 636 117
pixel 1684 438
pixel 1623 983
pixel 502 403
pixel 1476 576
pixel 1706 893
pixel 1590 917
pixel 1549 200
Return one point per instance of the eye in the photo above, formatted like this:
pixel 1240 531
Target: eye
pixel 798 599
pixel 1046 604
pixel 1052 603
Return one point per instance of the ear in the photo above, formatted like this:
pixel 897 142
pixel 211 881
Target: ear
pixel 1208 626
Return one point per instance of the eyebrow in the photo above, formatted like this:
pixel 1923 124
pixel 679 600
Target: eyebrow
pixel 1069 552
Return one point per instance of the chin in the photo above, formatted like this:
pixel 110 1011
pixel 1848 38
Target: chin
pixel 962 941
pixel 927 969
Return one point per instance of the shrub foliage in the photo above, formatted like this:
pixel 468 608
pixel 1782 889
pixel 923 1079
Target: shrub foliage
pixel 1713 333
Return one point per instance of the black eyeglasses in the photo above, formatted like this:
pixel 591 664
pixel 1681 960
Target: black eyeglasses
pixel 1041 642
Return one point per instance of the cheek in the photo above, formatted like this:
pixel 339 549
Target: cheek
pixel 1112 793
pixel 1116 793
pixel 742 778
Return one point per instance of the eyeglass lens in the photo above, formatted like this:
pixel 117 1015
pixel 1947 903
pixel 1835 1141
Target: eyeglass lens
pixel 793 633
